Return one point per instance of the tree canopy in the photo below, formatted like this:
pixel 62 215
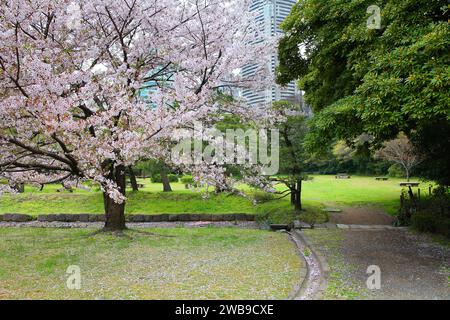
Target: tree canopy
pixel 360 80
pixel 293 156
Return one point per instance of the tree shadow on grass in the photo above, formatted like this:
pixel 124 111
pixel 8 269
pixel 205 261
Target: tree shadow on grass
pixel 123 233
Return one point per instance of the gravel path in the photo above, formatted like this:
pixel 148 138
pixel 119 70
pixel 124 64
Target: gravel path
pixel 411 266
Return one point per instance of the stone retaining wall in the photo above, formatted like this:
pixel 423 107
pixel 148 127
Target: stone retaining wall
pixel 12 217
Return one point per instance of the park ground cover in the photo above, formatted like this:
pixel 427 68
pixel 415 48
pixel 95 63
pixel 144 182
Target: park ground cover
pixel 413 265
pixel 322 191
pixel 177 263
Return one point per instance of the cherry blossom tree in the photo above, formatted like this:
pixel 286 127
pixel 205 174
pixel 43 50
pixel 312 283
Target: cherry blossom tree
pixel 90 87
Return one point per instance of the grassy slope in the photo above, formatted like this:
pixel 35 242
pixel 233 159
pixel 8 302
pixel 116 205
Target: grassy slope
pixel 322 191
pixel 207 263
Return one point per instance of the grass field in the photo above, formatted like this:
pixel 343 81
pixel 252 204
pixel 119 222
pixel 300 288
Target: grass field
pixel 355 191
pixel 320 192
pixel 204 263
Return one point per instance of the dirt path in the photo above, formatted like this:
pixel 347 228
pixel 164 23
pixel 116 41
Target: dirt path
pixel 361 216
pixel 411 266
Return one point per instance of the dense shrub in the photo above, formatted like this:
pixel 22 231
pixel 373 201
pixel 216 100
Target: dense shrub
pixel 276 216
pixel 423 221
pixel 287 215
pixel 173 178
pixel 187 180
pixel 378 168
pixel 431 214
pixel 430 222
pixel 314 216
pixel 156 178
pixel 261 196
pixel 353 166
pixel 396 171
pixel 432 142
pixel 443 226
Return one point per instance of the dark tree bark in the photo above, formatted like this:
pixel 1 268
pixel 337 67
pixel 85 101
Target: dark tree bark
pixel 295 185
pixel 133 181
pixel 165 180
pixel 298 196
pixel 295 189
pixel 115 212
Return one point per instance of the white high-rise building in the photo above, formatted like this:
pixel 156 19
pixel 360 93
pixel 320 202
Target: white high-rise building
pixel 271 13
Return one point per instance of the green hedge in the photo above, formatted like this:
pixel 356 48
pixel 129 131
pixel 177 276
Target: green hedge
pixel 187 180
pixel 396 171
pixel 156 178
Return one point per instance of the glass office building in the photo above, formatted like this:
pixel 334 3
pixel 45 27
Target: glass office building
pixel 270 14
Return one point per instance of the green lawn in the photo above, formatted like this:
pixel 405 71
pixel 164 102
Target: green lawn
pixel 320 192
pixel 355 191
pixel 144 201
pixel 203 263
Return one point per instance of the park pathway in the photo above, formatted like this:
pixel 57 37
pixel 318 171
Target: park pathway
pixel 361 216
pixel 412 265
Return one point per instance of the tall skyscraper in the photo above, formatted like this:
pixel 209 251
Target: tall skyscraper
pixel 271 13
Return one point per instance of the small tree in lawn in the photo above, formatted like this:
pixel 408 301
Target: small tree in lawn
pixel 82 86
pixel 293 129
pixel 400 151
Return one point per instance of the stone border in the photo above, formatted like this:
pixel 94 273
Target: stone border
pixel 323 264
pixel 368 227
pixel 131 225
pixel 329 225
pixel 13 217
pixel 299 286
pixel 182 217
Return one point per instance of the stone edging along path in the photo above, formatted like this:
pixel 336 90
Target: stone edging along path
pixel 316 273
pixel 328 225
pixel 182 217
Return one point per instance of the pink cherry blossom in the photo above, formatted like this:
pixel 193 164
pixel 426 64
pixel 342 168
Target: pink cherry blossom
pixel 72 75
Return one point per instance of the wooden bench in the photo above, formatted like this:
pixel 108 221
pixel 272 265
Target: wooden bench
pixel 342 176
pixel 409 184
pixel 381 179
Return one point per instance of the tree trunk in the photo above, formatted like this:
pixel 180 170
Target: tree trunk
pixel 115 212
pixel 133 181
pixel 298 196
pixel 165 181
pixel 407 175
